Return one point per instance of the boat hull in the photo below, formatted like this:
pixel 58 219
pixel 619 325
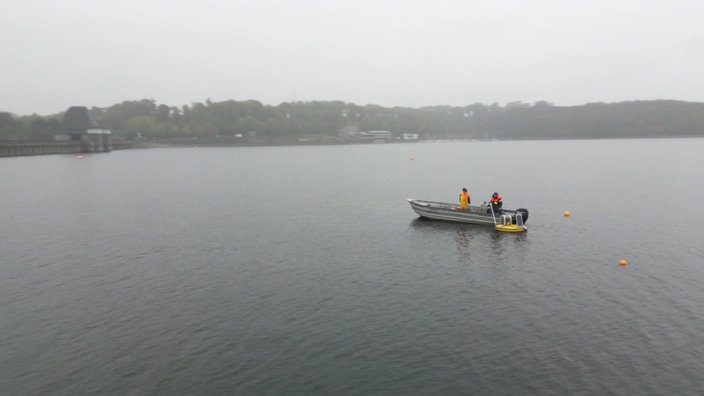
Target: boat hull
pixel 450 212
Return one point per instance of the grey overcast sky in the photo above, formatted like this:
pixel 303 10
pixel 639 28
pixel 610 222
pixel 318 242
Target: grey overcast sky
pixel 61 53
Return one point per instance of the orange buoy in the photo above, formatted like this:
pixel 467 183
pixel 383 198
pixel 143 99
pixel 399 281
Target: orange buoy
pixel 623 262
pixel 566 213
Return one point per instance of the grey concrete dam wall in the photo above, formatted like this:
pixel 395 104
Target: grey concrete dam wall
pixel 13 148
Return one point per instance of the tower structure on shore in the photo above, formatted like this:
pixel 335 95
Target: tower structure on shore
pixel 77 126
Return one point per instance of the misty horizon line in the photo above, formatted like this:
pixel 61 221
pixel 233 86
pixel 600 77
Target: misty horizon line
pixel 208 101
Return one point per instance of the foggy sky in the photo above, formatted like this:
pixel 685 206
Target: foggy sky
pixel 61 53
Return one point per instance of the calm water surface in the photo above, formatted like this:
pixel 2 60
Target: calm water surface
pixel 302 270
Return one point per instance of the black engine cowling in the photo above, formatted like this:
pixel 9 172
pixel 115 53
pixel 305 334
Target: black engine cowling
pixel 524 214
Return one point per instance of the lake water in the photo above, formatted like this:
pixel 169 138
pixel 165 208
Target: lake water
pixel 303 270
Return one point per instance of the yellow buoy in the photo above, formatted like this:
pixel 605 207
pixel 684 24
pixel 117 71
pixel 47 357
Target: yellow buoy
pixel 623 262
pixel 567 213
pixel 509 228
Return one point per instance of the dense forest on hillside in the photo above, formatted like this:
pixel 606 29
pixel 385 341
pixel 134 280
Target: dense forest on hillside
pixel 146 119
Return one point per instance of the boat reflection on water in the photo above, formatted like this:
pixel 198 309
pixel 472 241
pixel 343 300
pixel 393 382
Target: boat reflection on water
pixel 430 225
pixel 472 239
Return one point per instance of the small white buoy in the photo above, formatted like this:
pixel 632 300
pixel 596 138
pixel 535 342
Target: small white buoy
pixel 80 157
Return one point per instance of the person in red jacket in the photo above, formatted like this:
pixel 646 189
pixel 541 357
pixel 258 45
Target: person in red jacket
pixel 496 202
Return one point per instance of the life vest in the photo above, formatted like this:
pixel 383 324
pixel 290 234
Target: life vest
pixel 497 199
pixel 464 199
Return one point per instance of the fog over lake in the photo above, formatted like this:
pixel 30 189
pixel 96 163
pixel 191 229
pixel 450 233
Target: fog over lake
pixel 409 53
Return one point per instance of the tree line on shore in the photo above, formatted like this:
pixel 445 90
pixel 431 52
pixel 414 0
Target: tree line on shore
pixel 146 119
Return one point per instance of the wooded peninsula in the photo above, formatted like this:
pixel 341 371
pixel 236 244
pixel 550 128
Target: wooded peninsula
pixel 325 121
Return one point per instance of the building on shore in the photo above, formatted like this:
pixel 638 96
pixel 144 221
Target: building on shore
pixel 352 133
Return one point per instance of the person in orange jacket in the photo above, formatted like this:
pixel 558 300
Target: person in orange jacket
pixel 496 202
pixel 464 199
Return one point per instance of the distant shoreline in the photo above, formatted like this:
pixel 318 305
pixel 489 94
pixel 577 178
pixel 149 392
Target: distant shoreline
pixel 9 148
pixel 156 143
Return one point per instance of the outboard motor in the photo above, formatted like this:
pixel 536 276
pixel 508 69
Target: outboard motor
pixel 524 214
